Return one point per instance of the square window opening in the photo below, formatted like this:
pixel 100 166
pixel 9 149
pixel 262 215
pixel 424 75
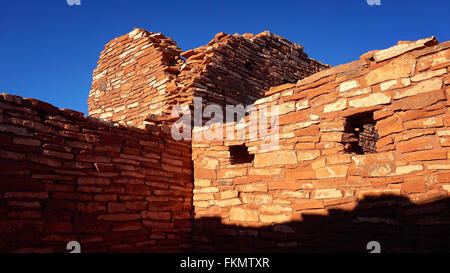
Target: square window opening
pixel 239 154
pixel 360 134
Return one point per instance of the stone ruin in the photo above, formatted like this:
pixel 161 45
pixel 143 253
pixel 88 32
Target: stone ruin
pixel 363 153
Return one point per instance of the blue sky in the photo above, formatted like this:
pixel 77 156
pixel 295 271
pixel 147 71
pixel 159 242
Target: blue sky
pixel 48 49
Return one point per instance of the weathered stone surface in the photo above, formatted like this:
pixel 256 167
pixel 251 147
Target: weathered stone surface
pixel 408 169
pixel 390 125
pixel 336 106
pixel 401 67
pixel 424 123
pixel 422 87
pixel 273 209
pixel 275 158
pixel 414 185
pixel 345 86
pixel 308 155
pixel 370 100
pixel 275 218
pixel 428 74
pixel 327 193
pixel 331 172
pixel 253 187
pixel 402 48
pixel 239 214
pixel 257 199
pixel 394 84
pixel 434 60
pixel 123 188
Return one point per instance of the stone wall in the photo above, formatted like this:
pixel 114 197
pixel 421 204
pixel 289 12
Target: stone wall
pixel 314 192
pixel 363 153
pixel 66 177
pixel 130 81
pixel 144 74
pixel 239 69
pixel 113 181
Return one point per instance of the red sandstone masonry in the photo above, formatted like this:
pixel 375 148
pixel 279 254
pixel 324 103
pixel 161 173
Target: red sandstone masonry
pixel 143 74
pixel 114 188
pixel 132 77
pixel 68 177
pixel 238 69
pixel 407 89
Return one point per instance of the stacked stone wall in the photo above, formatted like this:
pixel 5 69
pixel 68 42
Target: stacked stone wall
pixel 66 177
pixel 310 193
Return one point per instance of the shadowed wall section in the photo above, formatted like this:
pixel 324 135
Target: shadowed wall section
pixel 66 177
pixel 398 225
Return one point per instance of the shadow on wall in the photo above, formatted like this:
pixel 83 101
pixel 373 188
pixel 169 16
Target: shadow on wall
pixel 393 221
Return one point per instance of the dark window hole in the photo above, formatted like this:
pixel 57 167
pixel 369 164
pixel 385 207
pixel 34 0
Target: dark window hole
pixel 360 134
pixel 239 154
pixel 248 66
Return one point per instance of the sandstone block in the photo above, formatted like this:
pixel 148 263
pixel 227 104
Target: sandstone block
pixel 282 218
pixel 327 193
pixel 340 104
pixel 307 155
pixel 228 194
pixel 310 204
pixel 434 60
pixel 370 100
pixel 401 170
pixel 401 67
pixel 414 185
pixel 402 48
pixel 230 173
pixel 119 217
pixel 253 187
pixel 295 194
pixel 275 158
pixel 345 86
pixel 257 199
pixel 240 214
pixel 264 171
pixel 273 209
pixel 389 125
pixel 421 87
pixel 394 84
pixel 332 171
pixel 229 202
pixel 428 74
pixel 421 143
pixel 424 123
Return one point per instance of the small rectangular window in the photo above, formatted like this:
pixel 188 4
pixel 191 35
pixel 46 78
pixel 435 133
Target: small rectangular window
pixel 239 154
pixel 360 135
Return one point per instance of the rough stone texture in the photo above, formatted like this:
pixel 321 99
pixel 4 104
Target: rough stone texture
pixel 143 73
pixel 118 188
pixel 66 177
pixel 329 193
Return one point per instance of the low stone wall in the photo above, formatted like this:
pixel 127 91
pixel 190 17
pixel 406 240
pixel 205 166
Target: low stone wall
pixel 66 177
pixel 363 155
